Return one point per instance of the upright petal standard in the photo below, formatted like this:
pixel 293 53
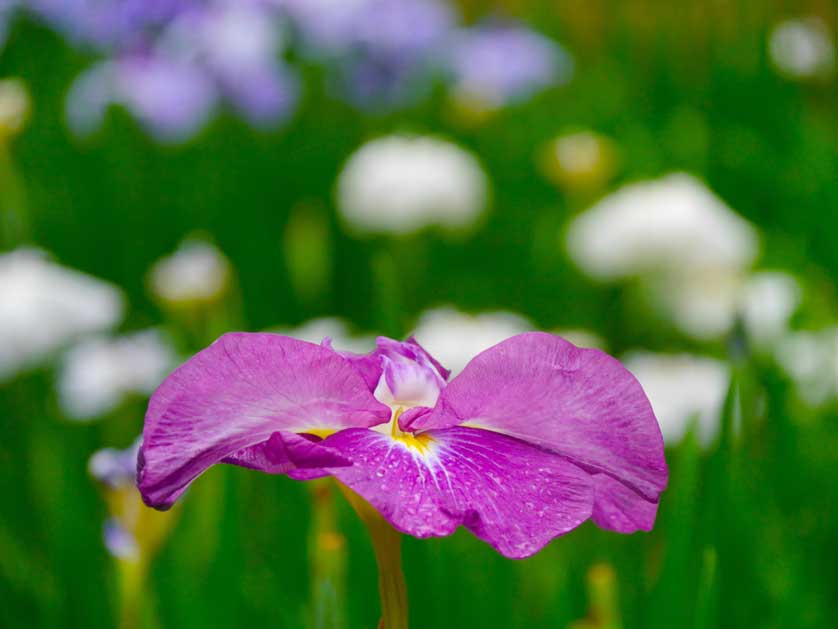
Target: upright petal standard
pixel 533 438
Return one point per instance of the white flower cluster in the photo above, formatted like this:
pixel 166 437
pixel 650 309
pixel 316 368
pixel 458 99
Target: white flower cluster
pixel 682 388
pixel 99 372
pixel 333 328
pixel 196 273
pixel 811 359
pixel 454 337
pixel 45 306
pixel 401 184
pixel 692 250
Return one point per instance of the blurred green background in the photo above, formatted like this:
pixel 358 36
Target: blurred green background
pixel 747 533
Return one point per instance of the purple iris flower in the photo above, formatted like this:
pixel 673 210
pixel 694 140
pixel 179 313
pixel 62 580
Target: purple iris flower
pixel 7 11
pixel 505 63
pixel 172 99
pixel 381 49
pixel 112 24
pixel 118 540
pixel 117 471
pixel 238 44
pixel 114 468
pixel 533 438
pixel 225 51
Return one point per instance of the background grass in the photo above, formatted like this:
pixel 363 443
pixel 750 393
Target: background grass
pixel 747 534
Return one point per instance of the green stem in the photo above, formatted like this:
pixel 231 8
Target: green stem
pixel 131 581
pixel 14 219
pixel 327 557
pixel 386 543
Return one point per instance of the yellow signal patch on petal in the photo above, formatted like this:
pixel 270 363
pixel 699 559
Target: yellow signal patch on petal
pixel 421 443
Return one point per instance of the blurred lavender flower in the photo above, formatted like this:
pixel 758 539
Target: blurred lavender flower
pixel 119 541
pixel 200 55
pixel 132 533
pixel 238 44
pixel 113 24
pixel 44 306
pixel 173 100
pixel 98 373
pixel 115 468
pixel 8 9
pixel 109 25
pixel 380 47
pixel 497 64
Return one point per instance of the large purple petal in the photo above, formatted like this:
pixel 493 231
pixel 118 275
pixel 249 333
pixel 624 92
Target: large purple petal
pixel 511 494
pixel 236 394
pixel 580 403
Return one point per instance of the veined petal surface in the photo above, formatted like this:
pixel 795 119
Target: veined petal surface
pixel 509 493
pixel 236 394
pixel 579 403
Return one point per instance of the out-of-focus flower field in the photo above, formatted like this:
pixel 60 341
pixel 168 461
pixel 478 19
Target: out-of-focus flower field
pixel 659 181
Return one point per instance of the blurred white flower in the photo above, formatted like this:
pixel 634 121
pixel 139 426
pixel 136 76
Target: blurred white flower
pixel 704 304
pixel 196 272
pixel 682 388
pixel 315 330
pixel 44 306
pixel 99 372
pixel 670 224
pixel 454 337
pixel 701 303
pixel 768 301
pixel 811 359
pixel 681 240
pixel 803 49
pixel 400 184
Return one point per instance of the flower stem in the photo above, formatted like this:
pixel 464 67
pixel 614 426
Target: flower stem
pixel 386 543
pixel 14 218
pixel 327 556
pixel 131 577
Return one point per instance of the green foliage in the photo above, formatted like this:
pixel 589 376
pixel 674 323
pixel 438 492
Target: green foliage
pixel 747 532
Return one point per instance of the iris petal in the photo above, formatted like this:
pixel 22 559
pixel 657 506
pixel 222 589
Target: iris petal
pixel 511 494
pixel 286 451
pixel 235 395
pixel 579 403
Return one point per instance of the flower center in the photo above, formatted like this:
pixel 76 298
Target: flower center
pixel 421 442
